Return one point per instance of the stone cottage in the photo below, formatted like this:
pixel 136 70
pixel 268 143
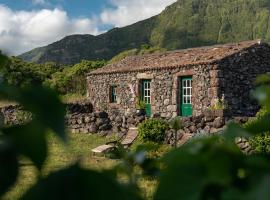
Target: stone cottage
pixel 184 82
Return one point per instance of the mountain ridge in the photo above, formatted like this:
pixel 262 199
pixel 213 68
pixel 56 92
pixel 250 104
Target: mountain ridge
pixel 184 24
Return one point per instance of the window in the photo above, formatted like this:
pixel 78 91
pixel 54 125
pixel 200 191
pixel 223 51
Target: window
pixel 147 91
pixel 187 91
pixel 113 94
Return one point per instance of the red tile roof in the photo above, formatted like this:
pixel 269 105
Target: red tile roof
pixel 173 59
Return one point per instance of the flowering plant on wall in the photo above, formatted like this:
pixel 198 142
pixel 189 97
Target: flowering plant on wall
pixel 219 104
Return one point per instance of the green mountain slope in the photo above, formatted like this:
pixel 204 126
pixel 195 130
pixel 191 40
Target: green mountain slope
pixel 186 23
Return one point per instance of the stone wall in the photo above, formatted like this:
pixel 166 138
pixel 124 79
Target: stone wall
pixel 81 118
pixel 164 90
pixel 235 77
pixel 208 123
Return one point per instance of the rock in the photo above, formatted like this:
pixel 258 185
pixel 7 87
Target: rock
pixel 87 119
pixel 103 133
pixel 218 122
pixel 131 120
pixel 186 130
pixel 102 121
pixel 186 121
pixel 102 115
pixel 171 108
pixel 240 120
pixel 197 119
pixel 238 140
pixel 93 128
pixel 166 102
pixel 207 129
pixel 116 129
pixel 79 121
pixel 193 129
pixel 184 139
pixel 93 119
pixel 118 119
pixel 105 127
pixel 213 130
pixel 201 124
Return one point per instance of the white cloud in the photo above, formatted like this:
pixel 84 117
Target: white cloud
pixel 21 31
pixel 128 12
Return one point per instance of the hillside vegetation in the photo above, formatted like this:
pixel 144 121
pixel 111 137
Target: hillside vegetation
pixel 65 79
pixel 186 23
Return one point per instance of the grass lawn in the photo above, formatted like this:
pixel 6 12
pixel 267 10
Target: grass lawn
pixel 61 156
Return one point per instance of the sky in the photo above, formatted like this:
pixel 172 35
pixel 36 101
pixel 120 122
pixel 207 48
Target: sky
pixel 27 24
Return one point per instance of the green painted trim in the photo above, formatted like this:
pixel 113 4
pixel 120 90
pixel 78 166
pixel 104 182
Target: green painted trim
pixel 113 94
pixel 185 107
pixel 148 108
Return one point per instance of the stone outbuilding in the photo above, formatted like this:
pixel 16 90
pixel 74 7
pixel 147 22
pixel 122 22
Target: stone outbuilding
pixel 183 83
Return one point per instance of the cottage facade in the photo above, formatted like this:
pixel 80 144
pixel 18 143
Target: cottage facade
pixel 182 83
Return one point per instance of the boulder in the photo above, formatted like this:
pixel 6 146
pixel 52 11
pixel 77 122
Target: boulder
pixel 219 122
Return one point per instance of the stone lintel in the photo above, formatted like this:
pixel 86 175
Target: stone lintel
pixel 145 76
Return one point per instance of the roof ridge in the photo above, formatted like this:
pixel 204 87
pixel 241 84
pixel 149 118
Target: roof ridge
pixel 177 58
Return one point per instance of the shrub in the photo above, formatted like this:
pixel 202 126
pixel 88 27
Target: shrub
pixel 260 143
pixel 153 130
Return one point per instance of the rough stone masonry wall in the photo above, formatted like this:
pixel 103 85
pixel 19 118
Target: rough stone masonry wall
pixel 80 118
pixel 164 90
pixel 235 78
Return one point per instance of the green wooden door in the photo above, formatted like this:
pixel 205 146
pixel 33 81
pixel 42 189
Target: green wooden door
pixel 146 96
pixel 186 96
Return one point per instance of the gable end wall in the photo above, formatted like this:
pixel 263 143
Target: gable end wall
pixel 236 75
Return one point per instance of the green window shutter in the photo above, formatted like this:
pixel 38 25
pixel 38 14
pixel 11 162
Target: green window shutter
pixel 113 94
pixel 186 96
pixel 146 96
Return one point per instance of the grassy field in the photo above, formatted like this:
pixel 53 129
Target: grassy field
pixel 61 156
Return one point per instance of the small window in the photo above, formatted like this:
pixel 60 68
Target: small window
pixel 113 96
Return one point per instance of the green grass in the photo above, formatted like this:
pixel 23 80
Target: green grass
pixel 61 156
pixel 71 98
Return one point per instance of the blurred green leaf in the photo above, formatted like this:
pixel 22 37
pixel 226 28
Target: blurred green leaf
pixel 262 94
pixel 8 166
pixel 213 169
pixel 29 140
pixel 198 170
pixel 263 79
pixel 76 183
pixel 44 103
pixel 259 126
pixel 234 130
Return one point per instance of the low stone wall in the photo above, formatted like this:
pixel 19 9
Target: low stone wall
pixel 210 122
pixel 81 118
